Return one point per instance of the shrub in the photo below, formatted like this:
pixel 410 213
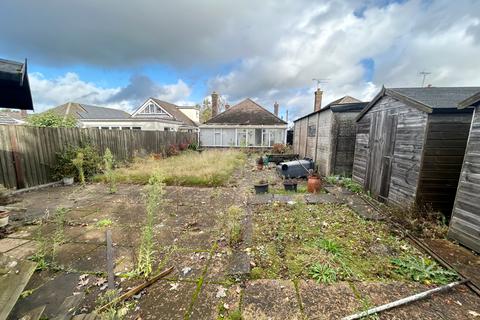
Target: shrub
pixel 182 146
pixel 52 120
pixel 108 163
pixel 78 163
pixel 172 150
pixel 279 148
pixel 65 168
pixel 193 146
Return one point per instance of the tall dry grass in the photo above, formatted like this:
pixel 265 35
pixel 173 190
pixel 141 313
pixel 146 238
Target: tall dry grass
pixel 210 168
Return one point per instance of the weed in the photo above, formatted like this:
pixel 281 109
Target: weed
pixel 233 225
pixel 367 305
pixel 108 162
pixel 154 196
pixel 78 163
pixel 330 246
pixel 332 179
pixel 423 270
pixel 115 311
pixel 351 185
pixel 323 273
pixel 58 235
pixel 104 223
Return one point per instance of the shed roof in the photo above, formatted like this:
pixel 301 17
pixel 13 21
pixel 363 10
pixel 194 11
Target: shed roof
pixel 470 101
pixel 247 112
pixel 14 85
pixel 429 99
pixel 344 104
pixel 88 112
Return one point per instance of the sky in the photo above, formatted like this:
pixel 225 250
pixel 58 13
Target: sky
pixel 118 53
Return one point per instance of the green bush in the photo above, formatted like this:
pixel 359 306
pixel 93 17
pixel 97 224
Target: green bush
pixel 91 163
pixel 52 120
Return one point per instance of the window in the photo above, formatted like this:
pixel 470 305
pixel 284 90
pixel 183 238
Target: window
pixel 217 137
pixel 136 128
pixel 242 137
pixel 166 129
pixel 114 128
pixel 125 128
pixel 104 128
pixel 312 130
pixel 265 137
pixel 152 108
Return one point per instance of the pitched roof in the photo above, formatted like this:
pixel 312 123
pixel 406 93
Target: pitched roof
pixel 470 101
pixel 14 85
pixel 88 112
pixel 247 112
pixel 344 104
pixel 175 112
pixel 429 99
pixel 8 117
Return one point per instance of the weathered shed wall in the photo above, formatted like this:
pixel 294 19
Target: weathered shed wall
pixel 343 143
pixel 312 128
pixel 465 222
pixel 324 142
pixel 300 137
pixel 388 150
pixel 443 154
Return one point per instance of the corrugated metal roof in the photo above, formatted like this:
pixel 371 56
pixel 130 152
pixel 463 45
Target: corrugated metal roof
pixel 438 97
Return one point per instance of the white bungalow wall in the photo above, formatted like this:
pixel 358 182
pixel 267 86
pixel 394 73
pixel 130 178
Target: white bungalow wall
pixel 241 137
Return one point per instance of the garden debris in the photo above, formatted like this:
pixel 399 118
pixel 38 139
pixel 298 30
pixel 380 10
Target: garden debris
pixel 221 293
pixel 186 270
pixel 82 281
pixel 137 289
pixel 174 286
pixel 403 301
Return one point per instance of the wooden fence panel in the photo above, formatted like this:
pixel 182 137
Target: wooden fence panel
pixel 28 154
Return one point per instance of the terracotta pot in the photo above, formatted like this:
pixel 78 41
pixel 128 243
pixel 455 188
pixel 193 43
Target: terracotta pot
pixel 4 218
pixel 314 184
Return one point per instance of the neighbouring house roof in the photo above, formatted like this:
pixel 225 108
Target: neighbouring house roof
pixel 171 108
pixel 470 101
pixel 428 99
pixel 14 85
pixel 9 117
pixel 87 112
pixel 247 112
pixel 344 104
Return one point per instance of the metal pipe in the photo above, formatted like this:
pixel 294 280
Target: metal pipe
pixel 415 297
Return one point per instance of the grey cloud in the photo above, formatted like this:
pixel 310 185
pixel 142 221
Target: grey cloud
pixel 138 89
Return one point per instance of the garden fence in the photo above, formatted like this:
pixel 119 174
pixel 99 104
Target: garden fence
pixel 28 154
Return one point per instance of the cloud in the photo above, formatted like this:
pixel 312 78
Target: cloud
pixel 48 93
pixel 268 50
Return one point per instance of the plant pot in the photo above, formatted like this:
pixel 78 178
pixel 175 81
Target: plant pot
pixel 67 181
pixel 4 218
pixel 261 188
pixel 290 186
pixel 314 184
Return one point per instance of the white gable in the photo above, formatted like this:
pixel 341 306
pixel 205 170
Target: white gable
pixel 151 108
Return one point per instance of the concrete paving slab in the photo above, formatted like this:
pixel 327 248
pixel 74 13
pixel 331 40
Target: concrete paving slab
pixel 270 299
pixel 215 300
pixel 261 198
pixel 322 301
pixel 24 251
pixel 7 244
pixel 320 198
pixel 187 264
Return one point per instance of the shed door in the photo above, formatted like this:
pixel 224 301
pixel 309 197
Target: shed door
pixel 381 145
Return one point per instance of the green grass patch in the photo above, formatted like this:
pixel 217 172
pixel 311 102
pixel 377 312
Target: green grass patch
pixel 210 168
pixel 293 241
pixel 104 223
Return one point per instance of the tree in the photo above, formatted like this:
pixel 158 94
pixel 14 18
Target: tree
pixel 52 120
pixel 206 108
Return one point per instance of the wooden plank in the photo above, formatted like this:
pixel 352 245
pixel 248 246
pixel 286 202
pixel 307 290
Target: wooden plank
pixel 15 276
pixel 110 260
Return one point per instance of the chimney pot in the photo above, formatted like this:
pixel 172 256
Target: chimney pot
pixel 214 104
pixel 275 108
pixel 318 100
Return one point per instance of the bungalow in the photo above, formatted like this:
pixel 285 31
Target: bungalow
pixel 465 222
pixel 153 114
pixel 14 86
pixel 246 124
pixel 327 135
pixel 410 145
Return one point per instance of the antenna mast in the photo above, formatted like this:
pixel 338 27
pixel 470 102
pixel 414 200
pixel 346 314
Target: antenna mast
pixel 319 81
pixel 424 74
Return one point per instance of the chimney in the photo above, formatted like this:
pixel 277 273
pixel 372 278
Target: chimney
pixel 214 104
pixel 318 99
pixel 275 108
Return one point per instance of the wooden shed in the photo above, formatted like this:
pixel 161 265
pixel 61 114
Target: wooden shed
pixel 328 136
pixel 465 222
pixel 410 145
